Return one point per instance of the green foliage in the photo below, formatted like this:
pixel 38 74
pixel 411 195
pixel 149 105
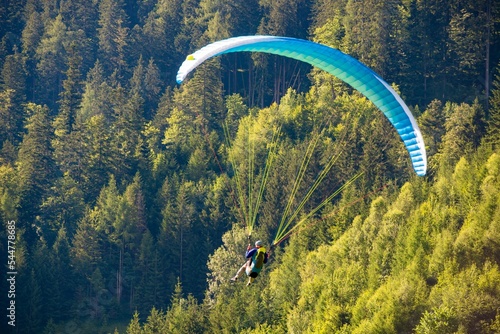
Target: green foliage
pixel 112 34
pixel 8 193
pixel 12 97
pixel 439 320
pixel 124 190
pixel 494 111
pixel 35 165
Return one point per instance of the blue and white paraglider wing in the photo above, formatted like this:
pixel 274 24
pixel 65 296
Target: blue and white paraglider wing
pixel 339 64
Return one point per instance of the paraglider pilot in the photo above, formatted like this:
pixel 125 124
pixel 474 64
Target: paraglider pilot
pixel 256 258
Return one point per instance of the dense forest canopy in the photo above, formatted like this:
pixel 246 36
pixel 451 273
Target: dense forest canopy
pixel 131 195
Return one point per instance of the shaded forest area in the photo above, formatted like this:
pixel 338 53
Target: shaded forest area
pixel 121 184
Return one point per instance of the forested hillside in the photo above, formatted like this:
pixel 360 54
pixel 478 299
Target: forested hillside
pixel 128 198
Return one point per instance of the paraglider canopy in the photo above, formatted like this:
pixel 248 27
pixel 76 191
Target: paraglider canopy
pixel 339 64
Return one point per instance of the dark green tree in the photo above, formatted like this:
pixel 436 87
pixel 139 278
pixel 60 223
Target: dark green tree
pixel 277 74
pixel 51 64
pixel 464 130
pixel 368 28
pixel 30 304
pixel 151 291
pixel 32 34
pixel 126 132
pixel 224 20
pixel 86 249
pixel 35 165
pixel 63 207
pixel 77 14
pixel 71 94
pixel 97 161
pixel 113 36
pixel 7 121
pixel 157 37
pixel 96 99
pixel 146 83
pixel 427 62
pixel 493 130
pixel 432 125
pixel 201 97
pixel 12 16
pixel 13 96
pixel 63 275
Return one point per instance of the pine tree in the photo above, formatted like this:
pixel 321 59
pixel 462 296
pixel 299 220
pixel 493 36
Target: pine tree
pixel 11 14
pixel 155 322
pixel 70 97
pixel 32 34
pixel 224 20
pixel 30 303
pixel 470 27
pixel 86 250
pixel 113 36
pixel 51 55
pixel 126 132
pixel 7 129
pixel 35 165
pixel 185 315
pixel 146 83
pixel 432 124
pixel 201 97
pixel 98 156
pixel 151 290
pixel 134 326
pixel 493 129
pixel 464 130
pixel 284 17
pixel 77 14
pixel 63 207
pixel 96 98
pixel 63 275
pixel 8 193
pixel 13 97
pixel 159 36
pixel 427 63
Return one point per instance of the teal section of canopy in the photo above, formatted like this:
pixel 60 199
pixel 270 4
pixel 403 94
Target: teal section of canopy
pixel 335 62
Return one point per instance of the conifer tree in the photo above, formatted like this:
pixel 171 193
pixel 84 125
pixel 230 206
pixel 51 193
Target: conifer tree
pixel 51 55
pixel 126 133
pixel 71 94
pixel 35 164
pixel 7 123
pixel 32 34
pixel 63 207
pixel 113 36
pixel 146 83
pixel 432 124
pixel 13 97
pixel 493 129
pixel 464 129
pixel 98 160
pixel 30 304
pixel 155 322
pixel 159 36
pixel 63 274
pixel 151 291
pixel 202 98
pixel 77 14
pixel 96 98
pixel 134 326
pixel 86 249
